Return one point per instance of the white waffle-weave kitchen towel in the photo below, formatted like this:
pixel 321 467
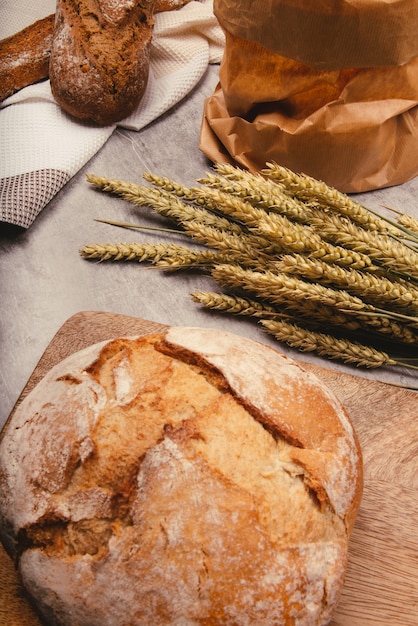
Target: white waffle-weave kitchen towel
pixel 41 148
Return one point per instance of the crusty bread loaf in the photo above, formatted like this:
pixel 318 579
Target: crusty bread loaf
pixel 24 57
pixel 188 477
pixel 100 57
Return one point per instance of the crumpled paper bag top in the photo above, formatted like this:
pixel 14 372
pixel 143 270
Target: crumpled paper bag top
pixel 251 75
pixel 356 128
pixel 327 34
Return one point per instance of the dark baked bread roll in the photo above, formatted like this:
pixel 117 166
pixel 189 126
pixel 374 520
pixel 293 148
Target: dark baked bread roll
pixel 99 61
pixel 24 57
pixel 189 477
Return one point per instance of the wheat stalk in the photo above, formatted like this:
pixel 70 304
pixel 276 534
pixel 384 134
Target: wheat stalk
pixel 132 251
pixel 234 304
pixel 306 187
pixel 162 202
pixel 409 222
pixel 261 193
pixel 371 288
pixel 276 286
pixel 381 248
pixel 326 345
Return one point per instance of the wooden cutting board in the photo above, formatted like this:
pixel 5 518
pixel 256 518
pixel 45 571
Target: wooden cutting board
pixel 381 587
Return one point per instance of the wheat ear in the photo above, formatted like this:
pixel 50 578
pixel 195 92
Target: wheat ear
pixel 285 234
pixel 274 287
pixel 234 304
pixel 169 185
pixel 288 233
pixel 369 287
pixel 409 222
pixel 193 259
pixel 132 251
pixel 190 194
pixel 308 188
pixel 308 313
pixel 326 345
pixel 261 193
pixel 162 202
pixel 382 249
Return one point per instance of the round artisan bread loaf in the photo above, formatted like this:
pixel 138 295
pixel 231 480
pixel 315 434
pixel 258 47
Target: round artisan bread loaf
pixel 187 477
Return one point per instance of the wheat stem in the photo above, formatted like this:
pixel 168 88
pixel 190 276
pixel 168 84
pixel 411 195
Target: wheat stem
pixel 140 226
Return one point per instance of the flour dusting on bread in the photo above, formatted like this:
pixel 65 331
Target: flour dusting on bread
pixel 99 61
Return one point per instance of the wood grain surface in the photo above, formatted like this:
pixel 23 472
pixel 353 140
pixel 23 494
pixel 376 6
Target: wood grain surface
pixel 381 587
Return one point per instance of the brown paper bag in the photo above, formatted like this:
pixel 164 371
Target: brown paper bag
pixel 354 128
pixel 327 34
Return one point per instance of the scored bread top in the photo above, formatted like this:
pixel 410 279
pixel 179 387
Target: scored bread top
pixel 292 403
pixel 202 473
